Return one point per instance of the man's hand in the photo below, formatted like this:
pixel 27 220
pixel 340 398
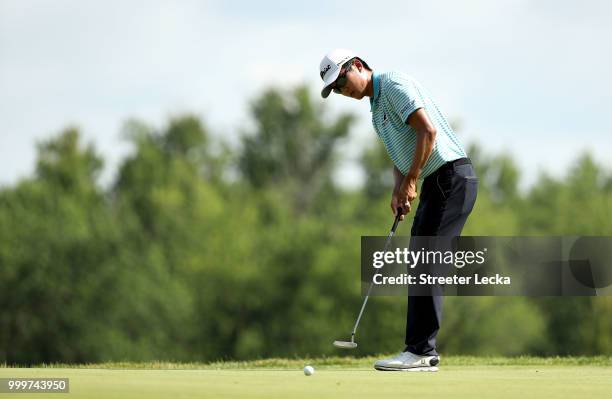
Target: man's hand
pixel 403 196
pixel 395 204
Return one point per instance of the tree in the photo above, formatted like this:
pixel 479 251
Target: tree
pixel 377 166
pixel 292 146
pixel 57 245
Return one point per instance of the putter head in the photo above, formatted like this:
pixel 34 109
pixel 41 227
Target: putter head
pixel 345 344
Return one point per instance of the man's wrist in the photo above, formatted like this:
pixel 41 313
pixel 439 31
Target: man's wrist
pixel 411 176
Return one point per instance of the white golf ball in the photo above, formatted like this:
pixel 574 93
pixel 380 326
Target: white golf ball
pixel 308 370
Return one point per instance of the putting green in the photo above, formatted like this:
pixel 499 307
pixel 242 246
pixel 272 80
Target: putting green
pixel 453 381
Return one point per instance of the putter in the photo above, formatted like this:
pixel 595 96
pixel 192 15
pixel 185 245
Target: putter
pixel 352 344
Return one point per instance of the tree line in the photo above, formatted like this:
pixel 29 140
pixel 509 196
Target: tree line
pixel 200 251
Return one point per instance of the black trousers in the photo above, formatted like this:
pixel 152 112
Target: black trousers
pixel 447 197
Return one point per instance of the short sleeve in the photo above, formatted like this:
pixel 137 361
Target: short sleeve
pixel 404 95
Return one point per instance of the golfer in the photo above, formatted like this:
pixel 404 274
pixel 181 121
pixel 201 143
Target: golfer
pixel 422 146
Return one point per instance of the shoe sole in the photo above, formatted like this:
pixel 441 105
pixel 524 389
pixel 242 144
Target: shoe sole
pixel 383 368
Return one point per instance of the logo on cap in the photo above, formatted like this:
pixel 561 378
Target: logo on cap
pixel 324 71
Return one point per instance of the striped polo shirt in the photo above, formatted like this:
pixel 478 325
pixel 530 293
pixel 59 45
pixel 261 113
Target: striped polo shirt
pixel 396 96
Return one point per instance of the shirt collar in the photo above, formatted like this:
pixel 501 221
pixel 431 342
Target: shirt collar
pixel 375 89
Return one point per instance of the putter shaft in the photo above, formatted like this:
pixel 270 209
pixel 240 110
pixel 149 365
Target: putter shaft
pixel 365 301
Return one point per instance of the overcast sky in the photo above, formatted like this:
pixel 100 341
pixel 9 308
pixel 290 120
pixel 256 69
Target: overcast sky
pixel 528 77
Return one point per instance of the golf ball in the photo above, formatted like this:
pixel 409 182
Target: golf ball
pixel 309 370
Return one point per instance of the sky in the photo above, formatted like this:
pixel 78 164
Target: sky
pixel 530 78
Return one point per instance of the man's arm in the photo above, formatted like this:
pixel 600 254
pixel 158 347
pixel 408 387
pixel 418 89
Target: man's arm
pixel 398 177
pixel 426 136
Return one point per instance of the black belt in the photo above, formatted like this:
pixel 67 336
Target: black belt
pixel 450 164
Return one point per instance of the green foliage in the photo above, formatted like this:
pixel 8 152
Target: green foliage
pixel 477 325
pixel 56 254
pixel 197 252
pixel 292 146
pixel 379 176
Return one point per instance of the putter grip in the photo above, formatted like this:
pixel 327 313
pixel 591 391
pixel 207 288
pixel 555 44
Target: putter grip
pixel 397 219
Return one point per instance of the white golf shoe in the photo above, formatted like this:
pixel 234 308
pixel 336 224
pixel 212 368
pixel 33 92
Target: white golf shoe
pixel 407 361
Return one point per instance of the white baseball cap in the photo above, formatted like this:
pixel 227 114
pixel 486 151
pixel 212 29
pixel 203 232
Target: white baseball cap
pixel 330 67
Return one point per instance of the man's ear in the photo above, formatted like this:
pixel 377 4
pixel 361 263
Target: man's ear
pixel 358 64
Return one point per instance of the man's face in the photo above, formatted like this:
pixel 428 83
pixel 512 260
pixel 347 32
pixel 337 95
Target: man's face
pixel 352 82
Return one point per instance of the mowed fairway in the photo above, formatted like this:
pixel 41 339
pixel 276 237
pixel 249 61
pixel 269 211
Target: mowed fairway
pixel 452 381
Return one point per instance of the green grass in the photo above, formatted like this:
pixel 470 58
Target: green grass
pixel 335 377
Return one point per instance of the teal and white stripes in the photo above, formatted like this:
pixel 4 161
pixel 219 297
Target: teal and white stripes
pixel 396 96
